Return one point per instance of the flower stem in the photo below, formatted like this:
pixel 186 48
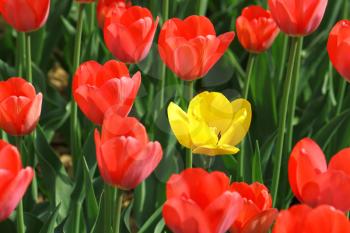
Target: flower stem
pixel 74 133
pixel 28 58
pixel 189 156
pixel 20 218
pixel 293 96
pixel 119 204
pixel 283 117
pixel 108 205
pixel 249 72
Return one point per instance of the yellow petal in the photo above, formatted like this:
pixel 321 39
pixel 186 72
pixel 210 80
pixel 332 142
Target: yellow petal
pixel 240 125
pixel 212 150
pixel 179 124
pixel 214 108
pixel 200 133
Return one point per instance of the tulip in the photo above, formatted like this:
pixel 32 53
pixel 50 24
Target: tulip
pixel 190 47
pixel 298 18
pixel 20 106
pixel 97 88
pixel 212 125
pixel 129 33
pixel 303 219
pixel 200 202
pixel 14 179
pixel 25 15
pixel 339 48
pixel 257 214
pixel 125 156
pixel 315 184
pixel 105 9
pixel 256 29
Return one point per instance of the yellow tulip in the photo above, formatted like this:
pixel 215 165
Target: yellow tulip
pixel 212 125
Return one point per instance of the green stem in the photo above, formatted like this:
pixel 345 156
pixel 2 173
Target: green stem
pixel 74 133
pixel 202 7
pixel 283 117
pixel 118 210
pixel 20 218
pixel 283 57
pixel 28 58
pixel 108 204
pixel 249 72
pixel 189 155
pixel 77 213
pixel 163 67
pixel 293 96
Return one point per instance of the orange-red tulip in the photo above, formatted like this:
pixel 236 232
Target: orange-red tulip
pixel 200 202
pixel 105 8
pixel 25 15
pixel 296 17
pixel 125 156
pixel 129 33
pixel 303 219
pixel 256 29
pixel 20 106
pixel 339 48
pixel 190 47
pixel 257 214
pixel 315 184
pixel 97 88
pixel 14 180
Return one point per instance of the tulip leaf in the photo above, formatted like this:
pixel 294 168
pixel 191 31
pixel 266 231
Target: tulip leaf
pixel 50 224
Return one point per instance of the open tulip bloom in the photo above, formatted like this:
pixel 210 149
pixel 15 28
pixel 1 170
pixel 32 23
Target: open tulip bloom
pixel 14 179
pixel 190 47
pixel 200 202
pixel 212 125
pixel 97 88
pixel 314 183
pixel 125 156
pixel 303 219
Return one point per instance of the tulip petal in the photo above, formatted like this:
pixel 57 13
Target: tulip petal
pixel 341 161
pixel 213 150
pixel 13 193
pixel 222 212
pixel 242 115
pixel 261 223
pixel 10 159
pixel 179 124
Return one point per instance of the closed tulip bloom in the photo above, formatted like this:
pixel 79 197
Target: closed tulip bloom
pixel 14 179
pixel 256 29
pixel 212 125
pixel 200 202
pixel 25 15
pixel 96 88
pixel 125 156
pixel 303 219
pixel 129 33
pixel 257 214
pixel 105 8
pixel 20 106
pixel 339 48
pixel 190 47
pixel 298 18
pixel 314 183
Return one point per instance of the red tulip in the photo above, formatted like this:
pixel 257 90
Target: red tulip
pixel 105 8
pixel 296 17
pixel 97 88
pixel 25 15
pixel 339 48
pixel 200 202
pixel 125 156
pixel 303 219
pixel 190 47
pixel 129 33
pixel 257 214
pixel 14 180
pixel 20 107
pixel 256 29
pixel 315 184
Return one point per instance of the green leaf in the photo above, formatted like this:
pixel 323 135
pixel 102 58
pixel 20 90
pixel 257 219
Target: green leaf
pixel 50 224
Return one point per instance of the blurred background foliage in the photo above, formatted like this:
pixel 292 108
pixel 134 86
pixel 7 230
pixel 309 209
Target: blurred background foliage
pixel 323 111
